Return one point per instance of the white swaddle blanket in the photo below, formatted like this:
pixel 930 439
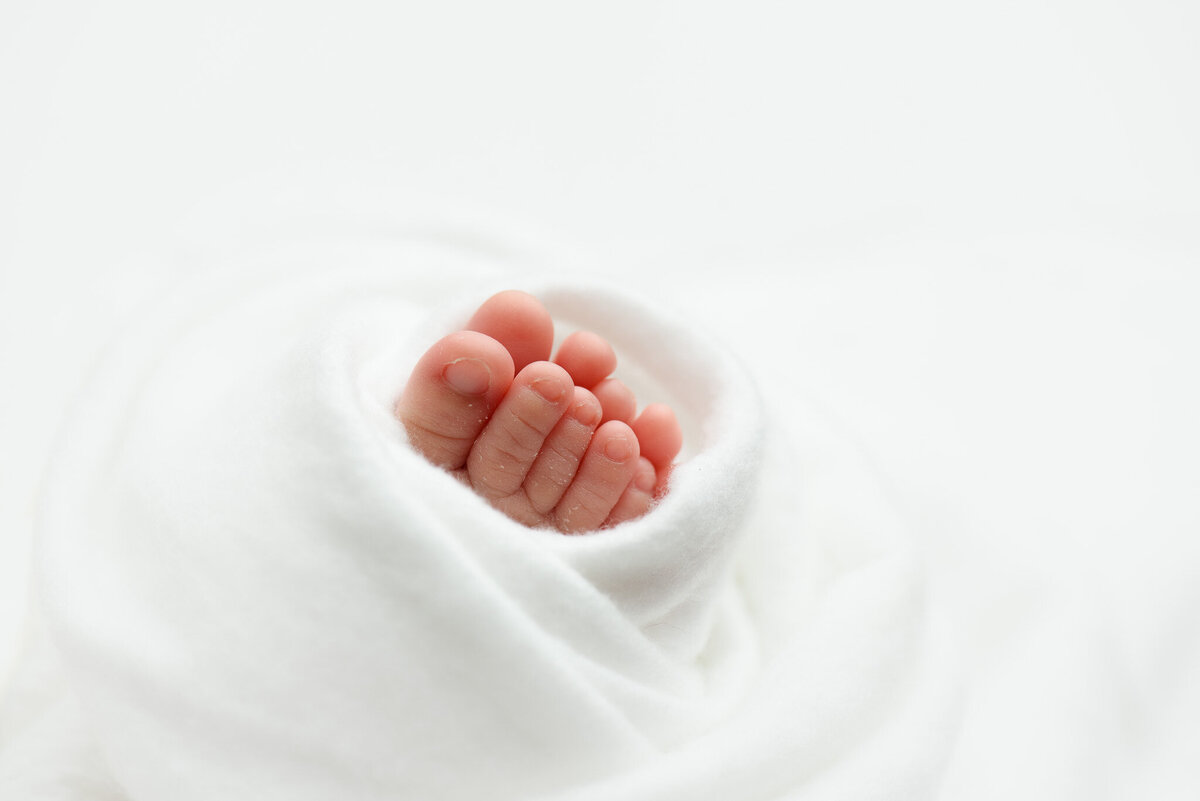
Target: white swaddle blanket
pixel 257 590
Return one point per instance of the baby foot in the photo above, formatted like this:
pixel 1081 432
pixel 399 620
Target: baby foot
pixel 549 443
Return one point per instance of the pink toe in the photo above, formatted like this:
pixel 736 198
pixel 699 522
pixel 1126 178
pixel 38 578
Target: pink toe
pixel 617 399
pixel 587 357
pixel 518 321
pixel 451 394
pixel 659 434
pixel 606 471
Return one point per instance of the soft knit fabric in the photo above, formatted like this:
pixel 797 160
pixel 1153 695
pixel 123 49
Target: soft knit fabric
pixel 255 589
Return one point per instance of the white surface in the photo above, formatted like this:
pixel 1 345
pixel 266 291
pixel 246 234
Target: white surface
pixel 259 591
pixel 974 228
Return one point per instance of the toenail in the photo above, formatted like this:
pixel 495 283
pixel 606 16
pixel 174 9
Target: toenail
pixel 468 376
pixel 618 449
pixel 644 480
pixel 549 388
pixel 587 413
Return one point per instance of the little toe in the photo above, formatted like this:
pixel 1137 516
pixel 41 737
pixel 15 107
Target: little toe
pixel 519 322
pixel 605 472
pixel 638 496
pixel 557 464
pixel 659 435
pixel 451 394
pixel 616 399
pixel 587 357
pixel 512 439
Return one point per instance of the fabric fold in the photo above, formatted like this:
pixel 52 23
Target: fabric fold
pixel 257 589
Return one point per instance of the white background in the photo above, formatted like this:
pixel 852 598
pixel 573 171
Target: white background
pixel 970 230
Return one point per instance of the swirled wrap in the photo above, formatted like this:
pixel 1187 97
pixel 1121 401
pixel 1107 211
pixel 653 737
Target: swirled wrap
pixel 255 589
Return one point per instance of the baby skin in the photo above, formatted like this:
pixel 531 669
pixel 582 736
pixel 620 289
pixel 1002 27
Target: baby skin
pixel 550 443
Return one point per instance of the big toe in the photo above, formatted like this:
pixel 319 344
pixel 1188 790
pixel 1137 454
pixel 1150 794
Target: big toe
pixel 519 322
pixel 451 395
